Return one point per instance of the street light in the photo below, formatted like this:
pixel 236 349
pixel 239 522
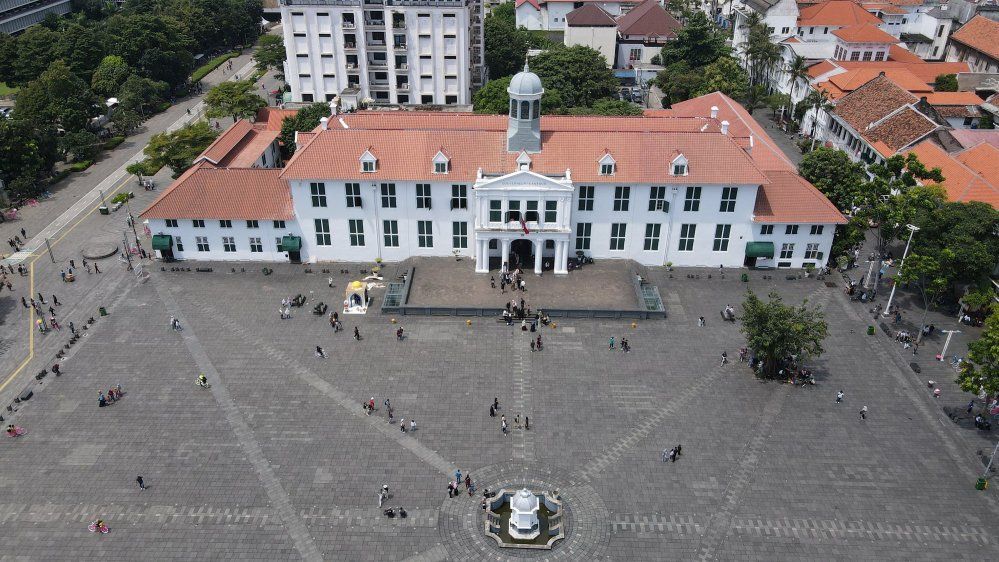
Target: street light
pixel 912 230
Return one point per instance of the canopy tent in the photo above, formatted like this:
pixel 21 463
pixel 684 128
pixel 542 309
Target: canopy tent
pixel 760 250
pixel 162 242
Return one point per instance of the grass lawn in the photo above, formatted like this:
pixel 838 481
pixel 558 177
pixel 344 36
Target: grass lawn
pixel 6 90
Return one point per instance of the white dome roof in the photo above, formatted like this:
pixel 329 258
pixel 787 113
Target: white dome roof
pixel 524 501
pixel 525 83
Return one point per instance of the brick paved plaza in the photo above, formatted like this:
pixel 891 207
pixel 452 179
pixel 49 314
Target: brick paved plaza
pixel 278 461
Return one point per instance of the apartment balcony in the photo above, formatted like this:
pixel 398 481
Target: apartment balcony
pixel 400 44
pixel 379 85
pixel 375 44
pixel 350 47
pixel 404 87
pixel 351 66
pixel 399 24
pixel 377 64
pixel 348 25
pixel 403 66
pixel 374 23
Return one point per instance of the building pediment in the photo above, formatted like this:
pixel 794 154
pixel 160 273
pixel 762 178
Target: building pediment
pixel 524 180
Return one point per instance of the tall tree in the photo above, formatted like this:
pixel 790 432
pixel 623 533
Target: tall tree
pixel 306 119
pixel 141 95
pixel 818 102
pixel 27 154
pixel 835 175
pixel 80 145
pixel 946 83
pixel 36 49
pixel 725 76
pixel 892 198
pixel 776 332
pixel 797 72
pixel 967 231
pixel 236 99
pixel 57 96
pixel 493 97
pixel 981 372
pixel 578 73
pixel 179 148
pixel 929 275
pixel 699 43
pixel 110 74
pixel 505 47
pixel 270 53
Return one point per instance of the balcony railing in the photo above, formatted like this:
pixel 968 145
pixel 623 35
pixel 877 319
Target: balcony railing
pixel 402 66
pixel 348 25
pixel 378 64
pixel 403 87
pixel 374 23
pixel 350 46
pixel 399 24
pixel 375 43
pixel 400 44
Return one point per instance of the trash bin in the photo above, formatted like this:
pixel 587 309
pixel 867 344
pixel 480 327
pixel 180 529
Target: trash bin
pixel 870 330
pixel 103 311
pixel 103 210
pixel 982 484
pixel 745 278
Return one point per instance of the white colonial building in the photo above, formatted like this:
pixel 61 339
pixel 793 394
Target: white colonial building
pixel 699 185
pixel 403 52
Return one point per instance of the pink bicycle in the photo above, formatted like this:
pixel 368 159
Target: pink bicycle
pixel 99 527
pixel 15 431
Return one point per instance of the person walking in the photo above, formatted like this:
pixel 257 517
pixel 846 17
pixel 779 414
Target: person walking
pixel 839 397
pixel 330 282
pixel 971 406
pixel 532 346
pixel 672 455
pixel 492 411
pixel 665 455
pixel 357 334
pixel 527 423
pixel 41 299
pixel 142 485
pixel 724 358
pixel 24 234
pixel 402 425
pixel 72 328
pixel 412 426
pixel 24 303
pixel 320 352
pixel 457 478
pixel 610 344
pixel 678 449
pixel 503 426
pixel 495 403
pixel 538 343
pixel 700 321
pixel 96 269
pixel 55 300
pixel 450 489
pixel 863 413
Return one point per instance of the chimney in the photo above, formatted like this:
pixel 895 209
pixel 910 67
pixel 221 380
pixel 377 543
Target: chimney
pixel 724 125
pixel 324 123
pixel 714 112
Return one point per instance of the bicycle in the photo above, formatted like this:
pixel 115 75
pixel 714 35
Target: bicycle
pixel 15 431
pixel 98 527
pixel 203 383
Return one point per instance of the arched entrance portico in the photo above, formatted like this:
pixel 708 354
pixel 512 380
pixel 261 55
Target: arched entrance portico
pixel 530 250
pixel 522 254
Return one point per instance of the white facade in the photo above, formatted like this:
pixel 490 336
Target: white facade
pixel 550 16
pixel 237 241
pixel 780 17
pixel 393 52
pixel 601 39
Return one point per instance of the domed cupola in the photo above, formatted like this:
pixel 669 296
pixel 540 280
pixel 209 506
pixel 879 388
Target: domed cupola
pixel 524 124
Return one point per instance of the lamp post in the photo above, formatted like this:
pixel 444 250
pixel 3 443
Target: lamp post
pixel 912 230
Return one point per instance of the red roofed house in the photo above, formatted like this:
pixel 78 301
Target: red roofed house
pixel 977 43
pixel 625 40
pixel 550 15
pixel 969 175
pixel 700 185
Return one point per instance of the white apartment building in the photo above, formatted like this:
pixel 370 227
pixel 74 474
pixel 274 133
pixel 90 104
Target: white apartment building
pixel 687 187
pixel 550 15
pixel 18 15
pixel 404 52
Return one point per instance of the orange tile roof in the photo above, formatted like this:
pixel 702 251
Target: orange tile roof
pixel 953 98
pixel 925 71
pixel 983 159
pixel 250 149
pixel 852 79
pixel 885 8
pixel 981 34
pixel 872 101
pixel 899 131
pixel 226 142
pixel 433 121
pixel 970 137
pixel 789 198
pixel 835 12
pixel 961 182
pixel 638 155
pixel 648 19
pixel 864 33
pixel 272 117
pixel 899 53
pixel 820 68
pixel 206 192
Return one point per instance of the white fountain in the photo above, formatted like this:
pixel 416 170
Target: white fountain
pixel 524 524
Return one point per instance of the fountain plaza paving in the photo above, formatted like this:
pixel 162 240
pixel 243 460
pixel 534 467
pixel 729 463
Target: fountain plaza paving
pixel 278 461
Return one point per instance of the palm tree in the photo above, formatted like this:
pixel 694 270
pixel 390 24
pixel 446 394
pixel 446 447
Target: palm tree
pixel 818 100
pixel 796 70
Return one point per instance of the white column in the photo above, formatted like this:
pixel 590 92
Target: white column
pixel 539 246
pixel 562 257
pixel 504 208
pixel 504 251
pixel 481 256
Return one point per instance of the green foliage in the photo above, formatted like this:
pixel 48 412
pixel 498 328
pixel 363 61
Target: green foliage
pixel 270 53
pixel 236 99
pixel 986 122
pixel 678 82
pixel 848 236
pixel 216 62
pixel 835 175
pixel 113 142
pixel 306 119
pixel 929 274
pixel 144 168
pixel 110 74
pixel 579 74
pixel 493 98
pixel 724 75
pixel 124 122
pixel 81 166
pixel 122 197
pixel 980 298
pixel 27 154
pixel 946 83
pixel 80 145
pixel 179 148
pixel 607 107
pixel 775 331
pixel 698 44
pixel 57 96
pixel 141 95
pixel 892 198
pixel 981 371
pixel 506 45
pixel 966 231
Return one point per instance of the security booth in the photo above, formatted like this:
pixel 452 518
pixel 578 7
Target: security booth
pixel 163 243
pixel 292 245
pixel 757 250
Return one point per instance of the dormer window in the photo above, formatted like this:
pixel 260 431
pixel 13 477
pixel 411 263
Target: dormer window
pixel 608 167
pixel 442 164
pixel 523 161
pixel 368 162
pixel 680 165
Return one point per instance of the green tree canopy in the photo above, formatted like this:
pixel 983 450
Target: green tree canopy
pixel 929 275
pixel 27 154
pixel 835 175
pixel 967 231
pixel 141 95
pixel 34 50
pixel 80 145
pixel 179 148
pixel 698 43
pixel 236 99
pixel 724 75
pixel 946 83
pixel 110 74
pixel 981 371
pixel 57 96
pixel 579 73
pixel 306 119
pixel 493 97
pixel 775 331
pixel 506 44
pixel 270 53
